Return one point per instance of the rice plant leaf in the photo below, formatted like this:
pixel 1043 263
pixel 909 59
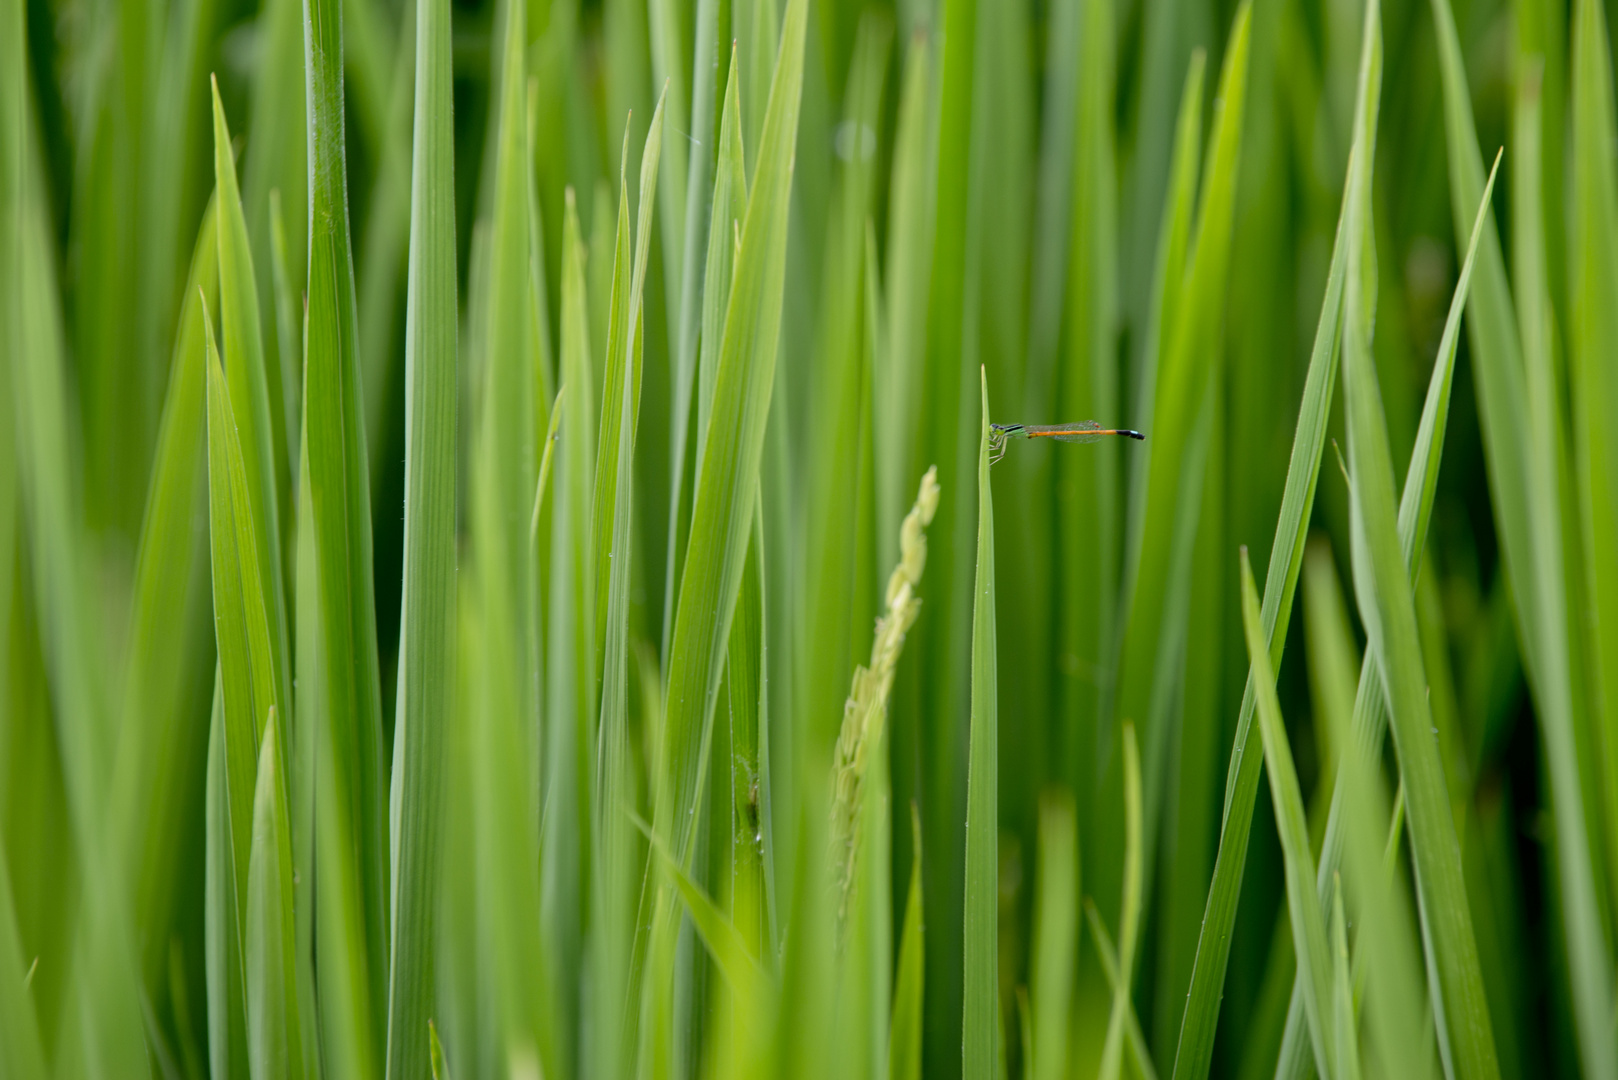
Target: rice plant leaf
pixel 1055 947
pixel 837 608
pixel 734 445
pixel 569 750
pixel 1086 384
pixel 904 1031
pixel 1415 514
pixel 427 606
pixel 274 1038
pixel 1388 609
pixel 1387 945
pixel 274 191
pixel 351 835
pixel 1158 588
pixel 898 387
pixel 263 441
pixel 104 1009
pixel 247 682
pixel 687 317
pixel 1308 928
pixel 980 1031
pixel 726 943
pixel 1108 955
pixel 727 212
pixel 170 664
pixel 1194 1053
pixel 1594 393
pixel 505 755
pixel 1347 1032
pixel 223 952
pixel 1112 1052
pixel 1524 517
pixel 615 856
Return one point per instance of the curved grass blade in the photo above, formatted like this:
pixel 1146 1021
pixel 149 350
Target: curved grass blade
pixel 351 837
pixel 1370 716
pixel 1387 947
pixel 1194 1052
pixel 1388 610
pixel 427 604
pixel 1141 1053
pixel 1308 928
pixel 980 1031
pixel 1517 495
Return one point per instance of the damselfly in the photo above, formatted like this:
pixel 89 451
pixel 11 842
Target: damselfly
pixel 1082 431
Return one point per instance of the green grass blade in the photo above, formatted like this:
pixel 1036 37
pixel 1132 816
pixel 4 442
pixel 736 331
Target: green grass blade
pixel 505 757
pixel 225 964
pixel 1347 1064
pixel 351 846
pixel 423 712
pixel 725 941
pixel 1108 956
pixel 104 1030
pixel 1518 493
pixel 734 445
pixel 1415 514
pixel 1386 943
pixel 570 663
pixel 904 1030
pixel 1112 1052
pixel 1086 385
pixel 980 1032
pixel 1194 1053
pixel 274 1039
pixel 1308 928
pixel 1055 933
pixel 1154 629
pixel 1388 609
pixel 248 686
pixel 616 858
pixel 688 322
pixel 263 441
pixel 1570 721
pixel 837 608
pixel 1594 392
pixel 169 671
pixel 728 210
pixel 898 386
pixel 275 185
